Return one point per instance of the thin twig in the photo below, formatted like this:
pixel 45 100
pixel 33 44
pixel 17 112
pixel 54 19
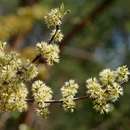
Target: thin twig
pixel 36 58
pixel 60 101
pixel 39 56
pixel 52 38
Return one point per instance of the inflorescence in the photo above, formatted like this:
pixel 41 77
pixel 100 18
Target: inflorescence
pixel 69 90
pixel 41 93
pixel 50 50
pixel 107 89
pixel 16 72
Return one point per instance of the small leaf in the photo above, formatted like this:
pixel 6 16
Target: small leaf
pixel 62 7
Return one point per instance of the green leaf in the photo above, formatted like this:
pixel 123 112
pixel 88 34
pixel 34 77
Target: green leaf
pixel 62 7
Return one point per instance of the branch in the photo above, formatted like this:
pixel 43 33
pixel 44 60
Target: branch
pixel 27 2
pixel 52 38
pixel 39 56
pixel 85 22
pixel 36 58
pixel 78 53
pixel 61 101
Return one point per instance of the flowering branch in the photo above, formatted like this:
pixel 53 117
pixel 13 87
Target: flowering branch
pixel 16 72
pixel 61 101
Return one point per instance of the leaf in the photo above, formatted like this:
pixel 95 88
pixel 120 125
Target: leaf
pixel 62 7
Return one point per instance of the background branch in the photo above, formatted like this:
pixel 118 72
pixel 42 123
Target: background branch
pixel 85 22
pixel 78 53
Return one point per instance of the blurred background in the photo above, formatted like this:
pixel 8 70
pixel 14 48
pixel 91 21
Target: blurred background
pixel 97 36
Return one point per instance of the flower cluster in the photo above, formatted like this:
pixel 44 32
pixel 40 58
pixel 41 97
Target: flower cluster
pixel 13 96
pixel 107 76
pixel 15 71
pixel 69 91
pixel 53 18
pixel 123 74
pixel 107 89
pixel 49 51
pixel 29 71
pixel 41 94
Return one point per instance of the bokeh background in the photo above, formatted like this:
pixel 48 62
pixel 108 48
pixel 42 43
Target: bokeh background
pixel 97 36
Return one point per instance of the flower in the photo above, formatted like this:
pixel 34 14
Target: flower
pixel 13 97
pixel 43 112
pixel 103 108
pixel 41 94
pixel 122 74
pixel 49 51
pixel 14 72
pixel 94 89
pixel 53 18
pixel 68 91
pixel 30 72
pixel 58 35
pixel 69 104
pixel 13 59
pixel 114 91
pixel 7 72
pixel 107 89
pixel 107 76
pixel 97 93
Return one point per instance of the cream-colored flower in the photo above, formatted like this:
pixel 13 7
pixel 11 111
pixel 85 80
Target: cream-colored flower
pixel 13 97
pixel 7 72
pixel 94 89
pixel 43 112
pixel 122 74
pixel 114 91
pixel 53 18
pixel 30 72
pixel 107 89
pixel 13 59
pixel 58 35
pixel 49 51
pixel 69 103
pixel 41 94
pixel 68 92
pixel 107 76
pixel 104 108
